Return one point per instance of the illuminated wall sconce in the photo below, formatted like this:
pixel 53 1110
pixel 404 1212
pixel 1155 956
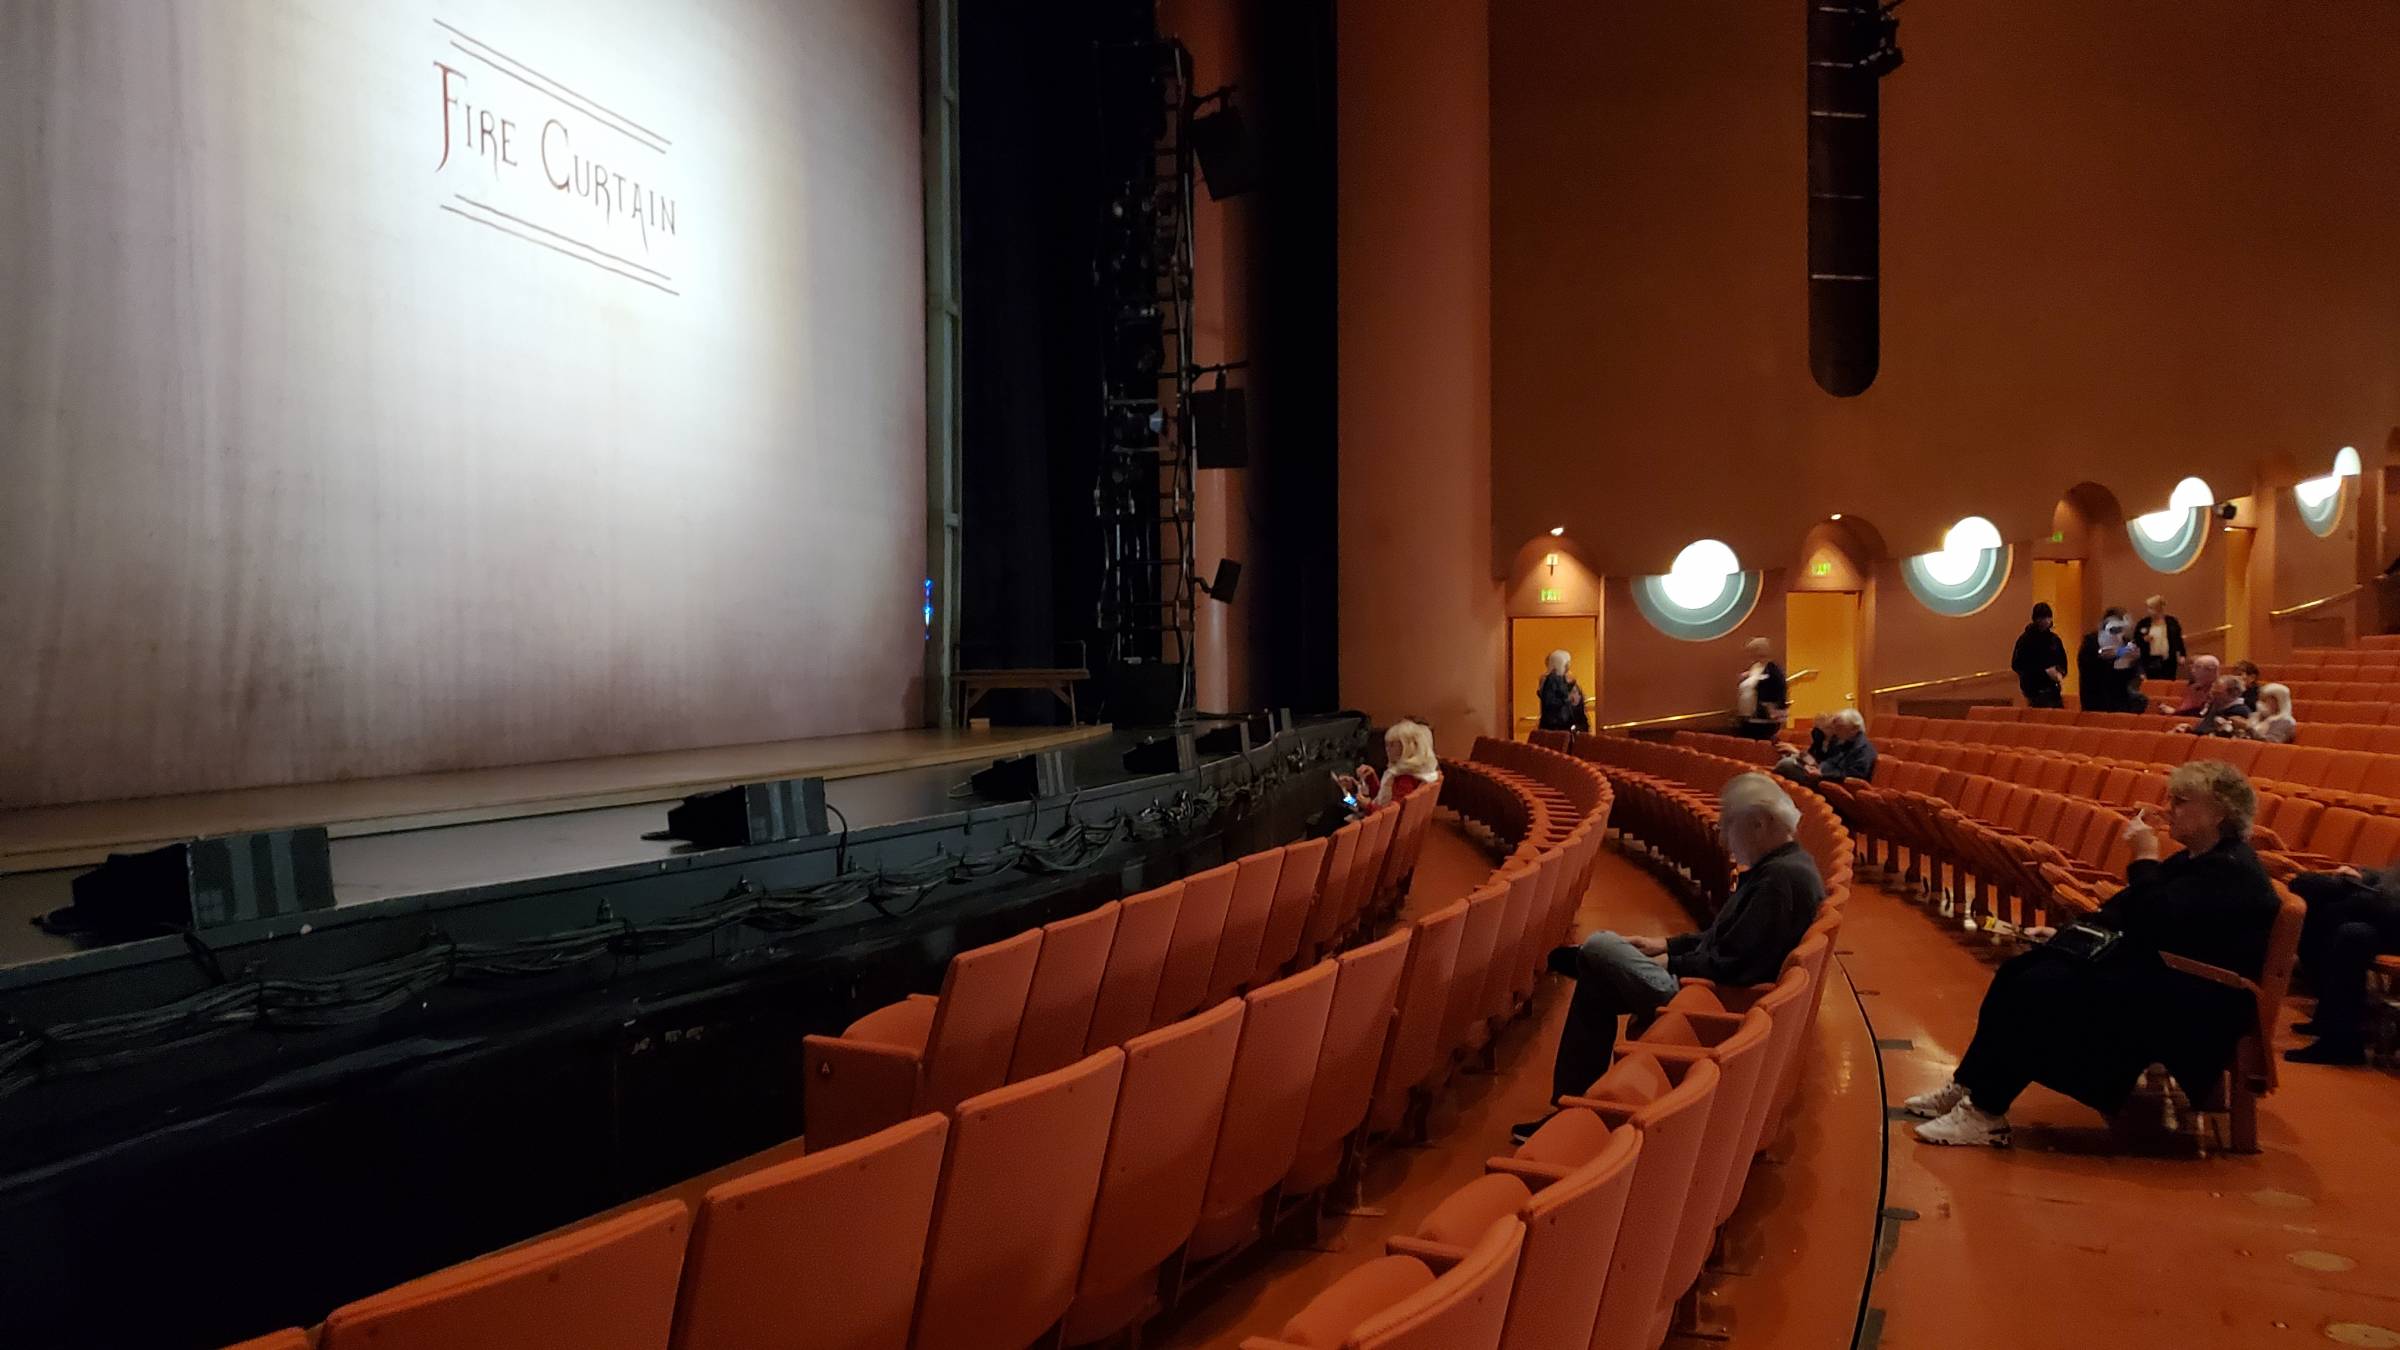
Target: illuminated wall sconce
pixel 1551 561
pixel 1557 530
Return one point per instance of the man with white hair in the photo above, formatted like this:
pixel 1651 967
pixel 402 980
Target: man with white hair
pixel 1772 905
pixel 1847 753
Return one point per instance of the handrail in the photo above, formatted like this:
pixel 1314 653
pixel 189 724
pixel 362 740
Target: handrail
pixel 1796 677
pixel 2319 603
pixel 1946 679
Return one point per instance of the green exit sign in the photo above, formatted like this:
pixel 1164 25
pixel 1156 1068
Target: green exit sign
pixel 1549 595
pixel 1823 569
pixel 2058 536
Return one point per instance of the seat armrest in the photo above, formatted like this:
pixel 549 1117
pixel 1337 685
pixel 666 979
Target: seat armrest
pixel 1535 1175
pixel 1617 1114
pixel 854 1088
pixel 1438 1256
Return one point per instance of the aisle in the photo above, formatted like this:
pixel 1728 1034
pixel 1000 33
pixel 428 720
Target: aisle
pixel 2071 1239
pixel 1805 1269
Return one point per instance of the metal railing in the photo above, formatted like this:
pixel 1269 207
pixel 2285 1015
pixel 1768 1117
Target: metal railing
pixel 1705 715
pixel 2312 606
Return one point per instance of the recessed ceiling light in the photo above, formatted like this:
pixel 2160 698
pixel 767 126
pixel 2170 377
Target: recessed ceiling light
pixel 1557 530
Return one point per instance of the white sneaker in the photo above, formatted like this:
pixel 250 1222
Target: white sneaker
pixel 1937 1102
pixel 1964 1125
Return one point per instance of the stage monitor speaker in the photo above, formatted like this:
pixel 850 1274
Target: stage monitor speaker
pixel 1228 156
pixel 1166 754
pixel 203 883
pixel 1044 773
pixel 1220 428
pixel 1145 693
pixel 753 813
pixel 1218 742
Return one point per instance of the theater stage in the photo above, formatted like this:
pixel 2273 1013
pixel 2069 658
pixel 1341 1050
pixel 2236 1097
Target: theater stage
pixel 441 831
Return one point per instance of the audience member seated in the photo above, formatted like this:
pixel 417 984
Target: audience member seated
pixel 2273 720
pixel 2040 661
pixel 2222 714
pixel 1845 752
pixel 1769 911
pixel 2353 917
pixel 2247 672
pixel 2104 661
pixel 2200 688
pixel 1409 764
pixel 1561 698
pixel 2089 1010
pixel 1761 700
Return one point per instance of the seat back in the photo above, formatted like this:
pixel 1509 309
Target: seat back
pixel 1295 897
pixel 1424 1002
pixel 1274 1071
pixel 1014 1208
pixel 1358 1029
pixel 1169 1110
pixel 1066 987
pixel 975 1025
pixel 1246 919
pixel 1192 952
pixel 1325 918
pixel 1487 908
pixel 1366 871
pixel 1462 1310
pixel 1571 1228
pixel 853 1218
pixel 1788 1004
pixel 1672 1129
pixel 1516 921
pixel 279 1340
pixel 1137 961
pixel 1723 1160
pixel 606 1286
pixel 1523 962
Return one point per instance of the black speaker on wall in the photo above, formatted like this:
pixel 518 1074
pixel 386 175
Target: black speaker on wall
pixel 202 883
pixel 754 813
pixel 1219 428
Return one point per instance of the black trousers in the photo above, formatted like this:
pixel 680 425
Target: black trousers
pixel 2048 696
pixel 2348 926
pixel 1609 981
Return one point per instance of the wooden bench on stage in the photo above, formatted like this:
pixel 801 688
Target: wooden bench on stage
pixel 969 686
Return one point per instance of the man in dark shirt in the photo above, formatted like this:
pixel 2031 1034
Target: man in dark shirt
pixel 1771 906
pixel 1838 750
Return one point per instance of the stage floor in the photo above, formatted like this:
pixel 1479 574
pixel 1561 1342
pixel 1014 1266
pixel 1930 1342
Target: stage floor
pixel 438 832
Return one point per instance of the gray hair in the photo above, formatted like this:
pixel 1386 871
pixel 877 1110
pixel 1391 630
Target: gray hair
pixel 1558 661
pixel 1851 718
pixel 2216 779
pixel 1756 792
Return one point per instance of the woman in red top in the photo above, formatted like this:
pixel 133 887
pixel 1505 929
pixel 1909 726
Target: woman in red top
pixel 1411 764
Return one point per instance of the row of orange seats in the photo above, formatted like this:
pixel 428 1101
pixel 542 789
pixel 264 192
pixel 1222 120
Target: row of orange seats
pixel 1049 1203
pixel 2352 726
pixel 2028 854
pixel 1756 753
pixel 2360 780
pixel 2314 689
pixel 1631 1181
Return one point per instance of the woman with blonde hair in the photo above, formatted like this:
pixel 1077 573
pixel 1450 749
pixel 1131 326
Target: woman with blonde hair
pixel 2274 720
pixel 2093 1005
pixel 1409 764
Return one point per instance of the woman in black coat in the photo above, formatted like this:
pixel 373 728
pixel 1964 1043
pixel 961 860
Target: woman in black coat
pixel 1561 698
pixel 2088 1027
pixel 2040 661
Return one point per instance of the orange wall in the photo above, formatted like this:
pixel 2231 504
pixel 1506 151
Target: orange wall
pixel 2121 241
pixel 1421 626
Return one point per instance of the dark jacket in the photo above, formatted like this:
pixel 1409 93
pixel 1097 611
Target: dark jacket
pixel 2109 1020
pixel 1853 758
pixel 1771 906
pixel 2105 688
pixel 2153 667
pixel 2038 652
pixel 1560 710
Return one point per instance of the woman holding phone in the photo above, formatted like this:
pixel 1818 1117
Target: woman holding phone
pixel 1409 764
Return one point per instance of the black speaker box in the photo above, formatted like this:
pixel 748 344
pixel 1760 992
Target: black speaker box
pixel 204 883
pixel 1145 693
pixel 1220 428
pixel 754 813
pixel 1166 754
pixel 1228 156
pixel 1044 773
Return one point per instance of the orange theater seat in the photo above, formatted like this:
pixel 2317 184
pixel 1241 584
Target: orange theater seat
pixel 922 1053
pixel 1673 1122
pixel 1424 1002
pixel 1168 1114
pixel 1724 1158
pixel 607 1286
pixel 1398 1303
pixel 766 1246
pixel 1192 952
pixel 1478 946
pixel 1358 1029
pixel 1014 1208
pixel 1066 987
pixel 1273 1075
pixel 1246 919
pixel 1295 897
pixel 280 1340
pixel 1136 962
pixel 1333 890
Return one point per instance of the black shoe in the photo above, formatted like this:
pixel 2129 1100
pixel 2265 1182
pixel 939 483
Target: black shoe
pixel 2328 1051
pixel 1523 1130
pixel 2307 1028
pixel 1562 960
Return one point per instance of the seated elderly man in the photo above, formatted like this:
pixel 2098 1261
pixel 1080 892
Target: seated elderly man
pixel 1845 751
pixel 1771 907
